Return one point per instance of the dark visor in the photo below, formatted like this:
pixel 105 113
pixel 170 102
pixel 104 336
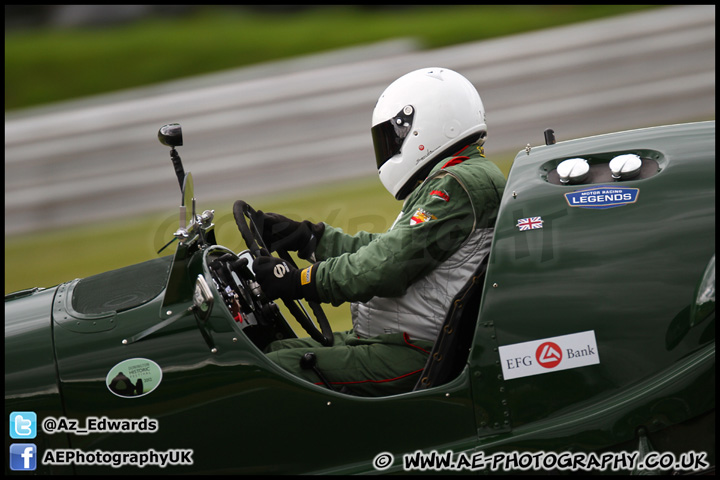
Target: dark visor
pixel 389 135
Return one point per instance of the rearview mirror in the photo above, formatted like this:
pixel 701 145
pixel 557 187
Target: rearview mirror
pixel 171 135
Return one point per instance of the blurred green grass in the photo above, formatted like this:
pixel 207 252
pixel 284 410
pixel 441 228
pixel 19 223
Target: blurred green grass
pixel 50 65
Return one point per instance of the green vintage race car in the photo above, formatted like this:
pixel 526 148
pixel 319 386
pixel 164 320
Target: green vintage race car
pixel 586 343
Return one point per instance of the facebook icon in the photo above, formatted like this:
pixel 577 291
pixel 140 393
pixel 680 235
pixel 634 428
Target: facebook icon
pixel 23 456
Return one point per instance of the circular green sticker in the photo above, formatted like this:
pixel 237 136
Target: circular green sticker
pixel 134 377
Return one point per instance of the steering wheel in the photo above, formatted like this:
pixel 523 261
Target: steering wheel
pixel 244 214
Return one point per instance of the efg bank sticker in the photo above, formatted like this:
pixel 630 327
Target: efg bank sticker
pixel 134 377
pixel 549 355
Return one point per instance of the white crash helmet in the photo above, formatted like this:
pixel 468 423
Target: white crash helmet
pixel 418 120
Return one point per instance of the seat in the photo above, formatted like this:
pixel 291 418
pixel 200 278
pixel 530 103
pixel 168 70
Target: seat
pixel 449 354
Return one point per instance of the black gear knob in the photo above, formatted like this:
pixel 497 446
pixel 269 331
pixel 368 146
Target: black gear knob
pixel 308 361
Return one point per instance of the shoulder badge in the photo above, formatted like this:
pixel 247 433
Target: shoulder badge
pixel 441 194
pixel 421 216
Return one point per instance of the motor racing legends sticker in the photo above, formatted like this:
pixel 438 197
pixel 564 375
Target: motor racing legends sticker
pixel 549 355
pixel 133 378
pixel 604 196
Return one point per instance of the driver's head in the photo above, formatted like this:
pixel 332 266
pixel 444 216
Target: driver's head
pixel 420 119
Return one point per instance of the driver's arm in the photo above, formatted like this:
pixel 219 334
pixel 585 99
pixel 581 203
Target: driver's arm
pixel 335 242
pixel 428 231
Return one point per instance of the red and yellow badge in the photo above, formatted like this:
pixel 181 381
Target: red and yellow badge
pixel 421 216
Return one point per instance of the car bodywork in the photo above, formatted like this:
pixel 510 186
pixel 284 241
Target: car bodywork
pixel 591 329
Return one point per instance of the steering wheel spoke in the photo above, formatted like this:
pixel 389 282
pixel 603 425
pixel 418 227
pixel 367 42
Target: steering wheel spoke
pixel 243 214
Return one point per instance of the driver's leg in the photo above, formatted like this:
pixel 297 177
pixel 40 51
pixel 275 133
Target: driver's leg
pixel 309 343
pixel 382 365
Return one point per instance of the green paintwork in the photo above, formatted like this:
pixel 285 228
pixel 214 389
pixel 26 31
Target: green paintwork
pixel 630 274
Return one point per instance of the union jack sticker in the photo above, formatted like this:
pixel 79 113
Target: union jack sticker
pixel 530 223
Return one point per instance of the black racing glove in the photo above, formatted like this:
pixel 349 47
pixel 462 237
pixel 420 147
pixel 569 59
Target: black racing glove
pixel 281 233
pixel 279 279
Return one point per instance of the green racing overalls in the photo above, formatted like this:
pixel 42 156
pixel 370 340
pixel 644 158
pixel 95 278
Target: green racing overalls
pixel 401 282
